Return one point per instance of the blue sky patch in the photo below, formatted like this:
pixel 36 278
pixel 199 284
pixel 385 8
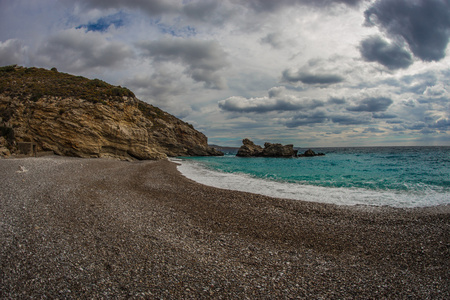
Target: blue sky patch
pixel 104 23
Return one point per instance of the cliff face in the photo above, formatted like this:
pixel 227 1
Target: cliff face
pixel 75 116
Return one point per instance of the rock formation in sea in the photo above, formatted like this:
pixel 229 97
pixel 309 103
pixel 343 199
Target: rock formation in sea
pixel 75 116
pixel 249 149
pixel 309 153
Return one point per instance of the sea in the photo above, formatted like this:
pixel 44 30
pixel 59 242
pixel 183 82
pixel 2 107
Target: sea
pixel 404 177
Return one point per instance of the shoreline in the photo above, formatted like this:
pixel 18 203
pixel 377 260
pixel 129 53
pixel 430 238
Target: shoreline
pixel 304 191
pixel 75 227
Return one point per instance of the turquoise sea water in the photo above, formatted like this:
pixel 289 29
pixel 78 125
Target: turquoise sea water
pixel 393 176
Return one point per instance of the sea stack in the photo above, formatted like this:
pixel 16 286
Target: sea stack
pixel 249 149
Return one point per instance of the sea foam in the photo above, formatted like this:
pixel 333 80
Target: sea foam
pixel 297 191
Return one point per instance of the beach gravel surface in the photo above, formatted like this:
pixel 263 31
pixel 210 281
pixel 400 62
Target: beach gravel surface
pixel 99 228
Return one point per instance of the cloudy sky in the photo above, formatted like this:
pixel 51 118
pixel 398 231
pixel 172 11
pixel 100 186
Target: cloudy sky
pixel 307 72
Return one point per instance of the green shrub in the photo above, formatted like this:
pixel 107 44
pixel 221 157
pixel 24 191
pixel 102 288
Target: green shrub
pixel 34 83
pixel 7 69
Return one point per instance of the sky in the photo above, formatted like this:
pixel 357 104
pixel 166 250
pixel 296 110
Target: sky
pixel 313 73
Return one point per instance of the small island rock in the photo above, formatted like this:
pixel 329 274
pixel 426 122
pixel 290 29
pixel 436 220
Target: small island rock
pixel 249 149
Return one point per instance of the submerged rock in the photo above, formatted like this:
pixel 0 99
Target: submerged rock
pixel 309 153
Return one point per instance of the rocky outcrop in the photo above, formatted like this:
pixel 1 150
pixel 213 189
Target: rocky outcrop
pixel 98 121
pixel 249 149
pixel 278 150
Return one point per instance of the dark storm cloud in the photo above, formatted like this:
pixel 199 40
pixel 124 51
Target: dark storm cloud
pixel 415 126
pixel 383 116
pixel 267 104
pixel 201 10
pixel 442 101
pixel 443 124
pixel 276 101
pixel 321 117
pixel 373 130
pixel 350 119
pixel 423 24
pixel 274 5
pixel 372 104
pixel 209 11
pixel 202 59
pixel 151 7
pixel 417 83
pixel 310 78
pixel 303 119
pixel 338 101
pixel 391 55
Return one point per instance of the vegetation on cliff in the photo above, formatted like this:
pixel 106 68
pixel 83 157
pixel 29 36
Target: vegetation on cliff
pixel 77 116
pixel 37 82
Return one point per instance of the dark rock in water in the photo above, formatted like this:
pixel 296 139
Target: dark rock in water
pixel 278 150
pixel 249 149
pixel 310 153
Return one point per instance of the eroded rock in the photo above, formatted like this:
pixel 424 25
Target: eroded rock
pixel 106 126
pixel 249 149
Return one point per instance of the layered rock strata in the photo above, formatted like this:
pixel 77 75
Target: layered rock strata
pixel 75 116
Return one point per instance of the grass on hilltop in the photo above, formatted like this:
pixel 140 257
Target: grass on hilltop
pixel 35 83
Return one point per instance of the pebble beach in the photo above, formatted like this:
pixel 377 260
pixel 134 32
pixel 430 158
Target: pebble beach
pixel 102 228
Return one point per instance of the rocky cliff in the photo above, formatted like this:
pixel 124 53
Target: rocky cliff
pixel 75 116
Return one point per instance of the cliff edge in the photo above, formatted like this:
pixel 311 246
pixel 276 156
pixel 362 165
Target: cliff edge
pixel 75 116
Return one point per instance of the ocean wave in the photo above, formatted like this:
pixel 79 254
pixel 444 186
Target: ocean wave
pixel 313 193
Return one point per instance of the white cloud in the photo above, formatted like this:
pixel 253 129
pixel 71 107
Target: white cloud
pixel 203 60
pixel 12 51
pixel 293 70
pixel 75 50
